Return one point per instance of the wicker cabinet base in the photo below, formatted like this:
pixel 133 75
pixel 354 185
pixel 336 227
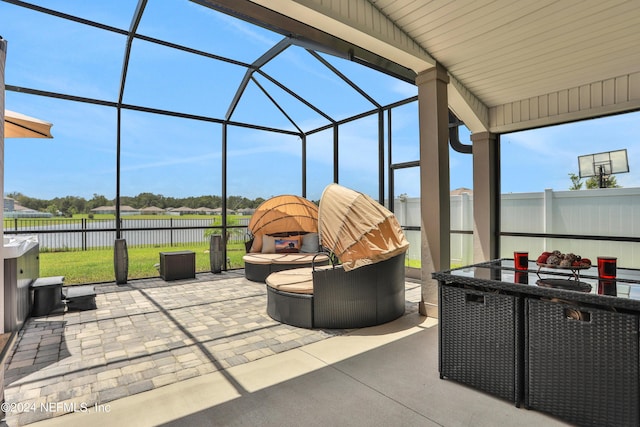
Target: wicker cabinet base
pixel 582 364
pixel 480 339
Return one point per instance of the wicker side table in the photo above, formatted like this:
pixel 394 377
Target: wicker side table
pixel 577 350
pixel 582 363
pixel 177 265
pixel 480 340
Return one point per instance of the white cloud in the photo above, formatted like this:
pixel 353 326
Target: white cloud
pixel 406 90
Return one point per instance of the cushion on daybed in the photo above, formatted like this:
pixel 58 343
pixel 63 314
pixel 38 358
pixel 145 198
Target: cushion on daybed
pixel 256 245
pixel 268 244
pixel 302 242
pixel 298 258
pixel 261 258
pixel 297 281
pixel 259 266
pixel 310 243
pixel 284 245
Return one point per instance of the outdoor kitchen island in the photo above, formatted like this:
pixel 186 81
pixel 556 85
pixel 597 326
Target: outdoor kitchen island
pixel 549 339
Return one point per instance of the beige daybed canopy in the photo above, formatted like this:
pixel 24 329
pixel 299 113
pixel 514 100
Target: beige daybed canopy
pixel 286 213
pixel 357 229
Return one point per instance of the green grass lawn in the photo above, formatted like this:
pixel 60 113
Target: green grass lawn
pixel 96 266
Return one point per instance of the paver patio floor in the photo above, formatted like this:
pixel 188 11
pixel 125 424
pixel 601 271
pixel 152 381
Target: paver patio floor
pixel 143 335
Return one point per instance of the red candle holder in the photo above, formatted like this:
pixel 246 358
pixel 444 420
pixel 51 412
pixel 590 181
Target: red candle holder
pixel 521 260
pixel 521 277
pixel 607 267
pixel 607 287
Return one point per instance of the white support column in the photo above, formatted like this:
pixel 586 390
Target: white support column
pixel 486 193
pixel 3 55
pixel 548 217
pixel 435 219
pixel 467 224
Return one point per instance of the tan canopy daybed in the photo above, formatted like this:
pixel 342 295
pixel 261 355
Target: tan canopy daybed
pixel 365 288
pixel 284 235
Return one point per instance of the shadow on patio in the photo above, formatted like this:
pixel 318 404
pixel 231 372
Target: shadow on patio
pixel 203 351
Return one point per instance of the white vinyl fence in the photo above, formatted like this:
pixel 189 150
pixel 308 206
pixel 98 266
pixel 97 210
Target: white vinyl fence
pixel 609 212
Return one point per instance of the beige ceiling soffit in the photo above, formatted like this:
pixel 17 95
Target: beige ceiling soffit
pixel 361 24
pixel 605 97
pixel 467 107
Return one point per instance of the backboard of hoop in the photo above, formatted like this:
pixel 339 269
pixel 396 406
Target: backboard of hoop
pixel 608 163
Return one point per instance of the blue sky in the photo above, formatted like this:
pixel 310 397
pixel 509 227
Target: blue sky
pixel 179 157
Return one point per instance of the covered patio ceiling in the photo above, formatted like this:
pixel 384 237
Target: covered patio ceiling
pixel 512 65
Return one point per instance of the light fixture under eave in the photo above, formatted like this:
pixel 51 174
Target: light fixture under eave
pixel 17 125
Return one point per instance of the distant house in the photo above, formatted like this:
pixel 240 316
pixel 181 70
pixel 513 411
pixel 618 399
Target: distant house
pixel 460 191
pixel 20 208
pixel 124 210
pixel 246 211
pixel 9 204
pixel 218 211
pixel 183 210
pixel 205 211
pixel 152 210
pixel 14 210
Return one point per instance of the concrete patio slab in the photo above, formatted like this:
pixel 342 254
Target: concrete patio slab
pixel 204 352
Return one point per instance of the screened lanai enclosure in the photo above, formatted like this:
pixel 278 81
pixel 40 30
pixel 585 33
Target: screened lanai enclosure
pixel 187 100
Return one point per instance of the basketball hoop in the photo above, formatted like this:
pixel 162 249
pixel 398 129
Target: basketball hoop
pixel 603 165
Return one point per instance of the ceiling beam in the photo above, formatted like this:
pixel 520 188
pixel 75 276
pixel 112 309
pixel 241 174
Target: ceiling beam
pixel 362 33
pixel 360 24
pixel 467 107
pixel 275 17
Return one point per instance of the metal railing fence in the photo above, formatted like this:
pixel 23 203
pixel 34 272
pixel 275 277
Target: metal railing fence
pixel 85 234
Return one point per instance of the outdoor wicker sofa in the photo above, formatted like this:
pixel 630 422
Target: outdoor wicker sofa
pixel 330 297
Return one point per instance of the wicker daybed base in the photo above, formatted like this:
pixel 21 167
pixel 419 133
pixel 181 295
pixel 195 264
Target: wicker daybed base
pixel 367 296
pixel 258 266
